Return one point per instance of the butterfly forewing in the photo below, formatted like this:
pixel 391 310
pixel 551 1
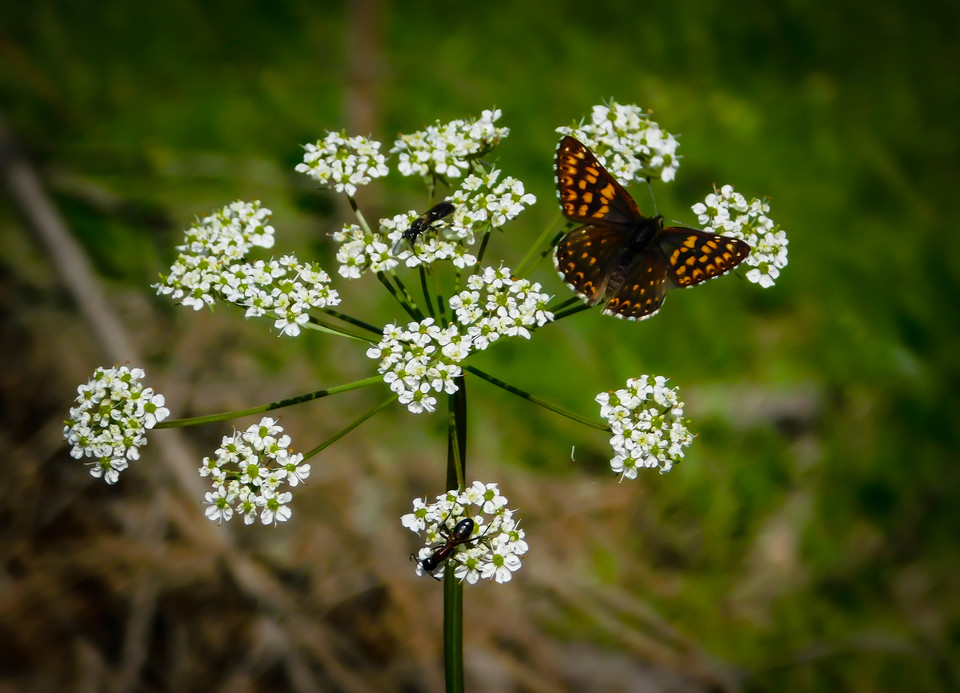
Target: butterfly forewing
pixel 587 192
pixel 696 256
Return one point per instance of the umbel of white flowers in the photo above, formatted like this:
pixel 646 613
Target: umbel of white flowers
pixel 252 471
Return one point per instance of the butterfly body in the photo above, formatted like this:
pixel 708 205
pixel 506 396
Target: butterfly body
pixel 620 257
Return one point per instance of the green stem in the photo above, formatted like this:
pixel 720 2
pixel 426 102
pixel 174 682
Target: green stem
pixel 426 291
pixel 441 304
pixel 359 214
pixel 321 326
pixel 406 294
pixel 570 311
pixel 457 436
pixel 327 443
pixel 563 304
pixel 483 246
pixel 535 253
pixel 299 399
pixel 452 588
pixel 353 321
pixel 452 632
pixel 405 301
pixel 536 400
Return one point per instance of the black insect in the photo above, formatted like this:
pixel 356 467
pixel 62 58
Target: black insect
pixel 459 536
pixel 422 223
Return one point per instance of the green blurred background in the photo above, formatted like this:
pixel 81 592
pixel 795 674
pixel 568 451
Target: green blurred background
pixel 808 542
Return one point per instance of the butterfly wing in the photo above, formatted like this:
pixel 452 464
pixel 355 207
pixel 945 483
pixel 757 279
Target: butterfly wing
pixel 646 280
pixel 695 256
pixel 587 257
pixel 587 192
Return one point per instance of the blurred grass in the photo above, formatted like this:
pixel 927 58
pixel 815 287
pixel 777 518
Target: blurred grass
pixel 810 540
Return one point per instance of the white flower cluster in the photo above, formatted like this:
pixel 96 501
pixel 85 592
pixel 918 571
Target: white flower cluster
pixel 727 212
pixel 111 418
pixel 648 427
pixel 496 305
pixel 481 203
pixel 283 289
pixel 420 360
pixel 495 543
pixel 248 470
pixel 342 163
pixel 628 144
pixel 361 251
pixel 213 244
pixel 445 149
pixel 210 267
pixel 424 358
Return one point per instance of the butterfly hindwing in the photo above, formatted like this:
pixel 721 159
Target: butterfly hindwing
pixel 645 283
pixel 587 256
pixel 587 192
pixel 695 256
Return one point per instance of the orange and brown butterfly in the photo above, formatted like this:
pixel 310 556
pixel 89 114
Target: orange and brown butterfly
pixel 619 257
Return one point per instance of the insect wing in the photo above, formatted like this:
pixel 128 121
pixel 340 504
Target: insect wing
pixel 587 192
pixel 645 285
pixel 587 257
pixel 695 256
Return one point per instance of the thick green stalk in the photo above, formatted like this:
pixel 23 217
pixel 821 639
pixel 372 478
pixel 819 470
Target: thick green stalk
pixel 452 632
pixel 453 588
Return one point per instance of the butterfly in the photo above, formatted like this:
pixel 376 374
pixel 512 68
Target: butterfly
pixel 618 256
pixel 422 223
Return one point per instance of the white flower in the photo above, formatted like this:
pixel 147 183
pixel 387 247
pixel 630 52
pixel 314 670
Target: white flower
pixel 727 212
pixel 114 410
pixel 275 507
pixel 630 145
pixel 492 544
pixel 218 504
pixel 646 420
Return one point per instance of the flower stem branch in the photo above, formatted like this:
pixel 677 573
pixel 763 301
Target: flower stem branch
pixel 426 292
pixel 570 311
pixel 299 399
pixel 353 321
pixel 320 325
pixel 405 300
pixel 536 252
pixel 536 400
pixel 344 431
pixel 356 210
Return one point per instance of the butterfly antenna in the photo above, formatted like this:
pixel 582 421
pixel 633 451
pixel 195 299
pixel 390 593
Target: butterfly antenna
pixel 652 198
